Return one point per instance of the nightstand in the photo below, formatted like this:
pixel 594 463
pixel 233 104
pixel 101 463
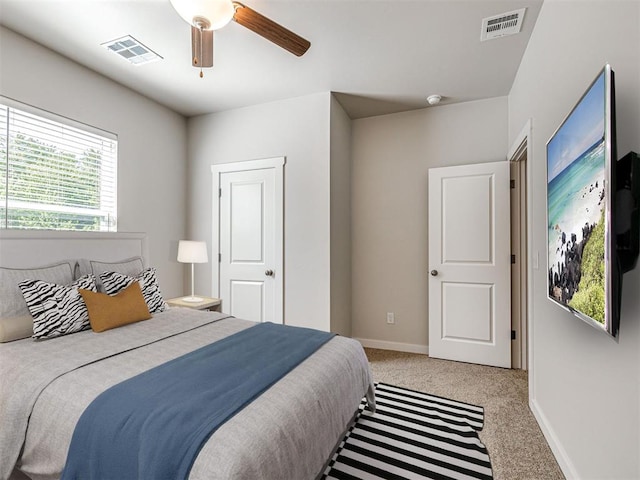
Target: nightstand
pixel 207 303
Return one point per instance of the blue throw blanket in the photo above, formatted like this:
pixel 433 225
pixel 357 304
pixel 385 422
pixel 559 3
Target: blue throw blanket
pixel 153 426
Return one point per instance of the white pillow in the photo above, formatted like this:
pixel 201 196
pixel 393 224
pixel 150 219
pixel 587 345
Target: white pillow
pixel 128 266
pixel 57 309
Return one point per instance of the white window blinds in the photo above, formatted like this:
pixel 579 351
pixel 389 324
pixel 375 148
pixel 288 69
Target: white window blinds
pixel 55 173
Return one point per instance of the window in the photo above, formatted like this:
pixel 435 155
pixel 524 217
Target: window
pixel 55 173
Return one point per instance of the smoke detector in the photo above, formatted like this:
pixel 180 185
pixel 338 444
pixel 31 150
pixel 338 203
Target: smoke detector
pixel 501 25
pixel 434 99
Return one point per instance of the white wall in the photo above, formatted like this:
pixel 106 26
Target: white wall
pixel 340 188
pixel 151 142
pixel 297 129
pixel 585 386
pixel 391 157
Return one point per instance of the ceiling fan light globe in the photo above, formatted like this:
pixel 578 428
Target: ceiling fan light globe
pixel 216 12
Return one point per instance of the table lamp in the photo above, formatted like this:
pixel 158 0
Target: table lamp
pixel 192 252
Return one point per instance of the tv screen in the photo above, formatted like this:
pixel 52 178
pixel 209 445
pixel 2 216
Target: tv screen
pixel 583 275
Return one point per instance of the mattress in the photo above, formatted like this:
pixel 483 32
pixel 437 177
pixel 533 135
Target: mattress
pixel 289 431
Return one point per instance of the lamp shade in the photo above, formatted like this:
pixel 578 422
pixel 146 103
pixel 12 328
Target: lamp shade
pixel 190 251
pixel 216 12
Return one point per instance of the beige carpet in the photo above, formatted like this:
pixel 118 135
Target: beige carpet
pixel 511 434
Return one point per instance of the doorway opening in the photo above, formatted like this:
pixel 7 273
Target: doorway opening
pixel 518 162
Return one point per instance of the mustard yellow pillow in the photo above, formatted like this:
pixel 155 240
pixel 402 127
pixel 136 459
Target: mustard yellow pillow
pixel 106 311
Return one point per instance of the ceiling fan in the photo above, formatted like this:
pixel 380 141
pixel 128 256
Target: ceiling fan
pixel 205 16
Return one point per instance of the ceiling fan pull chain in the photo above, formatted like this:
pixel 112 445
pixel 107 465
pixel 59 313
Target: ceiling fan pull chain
pixel 201 56
pixel 198 41
pixel 198 46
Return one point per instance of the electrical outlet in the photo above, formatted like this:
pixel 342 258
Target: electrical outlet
pixel 391 318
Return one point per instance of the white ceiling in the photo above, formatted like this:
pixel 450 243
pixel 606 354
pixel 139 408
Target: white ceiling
pixel 378 56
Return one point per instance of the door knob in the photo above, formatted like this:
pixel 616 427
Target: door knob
pixel 269 273
pixel 434 273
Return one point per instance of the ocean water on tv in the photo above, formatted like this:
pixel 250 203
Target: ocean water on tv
pixel 574 199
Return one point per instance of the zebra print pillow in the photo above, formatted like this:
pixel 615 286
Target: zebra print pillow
pixel 114 282
pixel 57 309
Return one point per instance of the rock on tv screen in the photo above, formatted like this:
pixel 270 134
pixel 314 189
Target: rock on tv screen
pixel 581 253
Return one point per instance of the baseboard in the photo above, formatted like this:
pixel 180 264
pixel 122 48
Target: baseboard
pixel 397 346
pixel 559 452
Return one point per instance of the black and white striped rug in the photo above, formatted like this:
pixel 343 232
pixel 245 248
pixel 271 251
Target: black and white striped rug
pixel 412 435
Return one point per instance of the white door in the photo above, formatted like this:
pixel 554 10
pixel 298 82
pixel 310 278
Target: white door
pixel 250 273
pixel 469 262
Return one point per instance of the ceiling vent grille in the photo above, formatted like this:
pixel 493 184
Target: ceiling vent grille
pixel 132 50
pixel 502 25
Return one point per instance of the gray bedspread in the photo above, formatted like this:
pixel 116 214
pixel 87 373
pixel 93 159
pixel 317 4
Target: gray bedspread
pixel 287 433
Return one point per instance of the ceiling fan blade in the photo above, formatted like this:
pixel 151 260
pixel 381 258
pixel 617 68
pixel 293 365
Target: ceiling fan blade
pixel 201 48
pixel 270 30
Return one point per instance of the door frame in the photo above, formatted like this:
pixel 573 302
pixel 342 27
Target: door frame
pixel 522 148
pixel 217 170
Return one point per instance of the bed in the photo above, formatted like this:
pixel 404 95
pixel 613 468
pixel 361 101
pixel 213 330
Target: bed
pixel 289 431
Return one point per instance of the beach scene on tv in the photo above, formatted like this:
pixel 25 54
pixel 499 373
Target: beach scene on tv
pixel 576 207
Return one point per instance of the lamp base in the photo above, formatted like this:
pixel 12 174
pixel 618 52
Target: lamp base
pixel 192 299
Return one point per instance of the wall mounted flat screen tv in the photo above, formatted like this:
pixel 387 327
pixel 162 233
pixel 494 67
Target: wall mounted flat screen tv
pixel 583 271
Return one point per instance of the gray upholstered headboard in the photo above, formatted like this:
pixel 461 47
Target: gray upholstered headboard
pixel 34 248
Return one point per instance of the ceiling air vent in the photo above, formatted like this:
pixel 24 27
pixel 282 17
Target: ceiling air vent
pixel 502 25
pixel 132 50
